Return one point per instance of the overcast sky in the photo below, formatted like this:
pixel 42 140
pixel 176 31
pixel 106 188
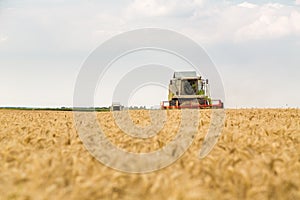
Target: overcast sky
pixel 255 46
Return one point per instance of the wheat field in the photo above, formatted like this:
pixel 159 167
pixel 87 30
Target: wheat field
pixel 256 157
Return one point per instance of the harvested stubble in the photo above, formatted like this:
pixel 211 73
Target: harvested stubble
pixel 257 157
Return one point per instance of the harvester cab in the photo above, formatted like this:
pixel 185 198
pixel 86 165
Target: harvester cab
pixel 188 90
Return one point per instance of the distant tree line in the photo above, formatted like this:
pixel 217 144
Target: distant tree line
pixel 136 108
pixel 97 109
pixel 84 109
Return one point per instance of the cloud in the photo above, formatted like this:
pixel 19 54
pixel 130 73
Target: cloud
pixel 80 27
pixel 247 5
pixel 163 8
pixel 211 22
pixel 297 2
pixel 273 21
pixel 70 28
pixel 3 38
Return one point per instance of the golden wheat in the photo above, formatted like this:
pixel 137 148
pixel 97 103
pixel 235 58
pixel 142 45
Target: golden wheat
pixel 257 157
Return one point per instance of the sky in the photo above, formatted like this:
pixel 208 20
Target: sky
pixel 255 46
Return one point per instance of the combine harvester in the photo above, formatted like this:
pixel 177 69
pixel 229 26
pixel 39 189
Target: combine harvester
pixel 187 90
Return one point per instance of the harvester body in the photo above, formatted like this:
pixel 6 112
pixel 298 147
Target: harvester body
pixel 188 90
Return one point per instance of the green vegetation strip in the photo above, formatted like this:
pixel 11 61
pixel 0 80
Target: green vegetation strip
pixel 97 109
